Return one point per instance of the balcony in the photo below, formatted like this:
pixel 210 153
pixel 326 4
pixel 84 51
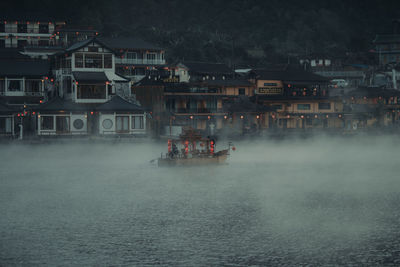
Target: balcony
pixel 193 90
pixel 198 110
pixel 22 93
pixel 139 61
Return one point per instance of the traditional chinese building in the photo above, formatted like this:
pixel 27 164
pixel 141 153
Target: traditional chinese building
pixel 88 91
pixel 136 58
pixel 301 99
pixel 29 31
pixel 7 123
pixel 23 81
pixel 198 101
pixel 367 108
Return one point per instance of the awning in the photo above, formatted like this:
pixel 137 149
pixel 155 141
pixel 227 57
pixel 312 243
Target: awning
pixel 115 77
pixel 90 77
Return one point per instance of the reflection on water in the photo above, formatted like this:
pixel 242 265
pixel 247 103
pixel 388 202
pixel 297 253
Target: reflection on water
pixel 297 202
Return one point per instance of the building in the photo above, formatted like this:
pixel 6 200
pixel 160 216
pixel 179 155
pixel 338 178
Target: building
pixel 370 107
pixel 195 101
pixel 85 73
pixel 18 33
pixel 192 71
pixel 7 123
pixel 89 95
pixel 301 99
pixel 136 58
pixel 24 81
pixel 60 117
pixel 121 117
pixel 387 48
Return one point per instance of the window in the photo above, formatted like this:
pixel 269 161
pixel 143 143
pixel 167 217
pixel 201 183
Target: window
pixel 277 106
pixel 22 43
pixel 2 43
pixel 32 86
pixel 2 86
pixel 91 91
pixel 14 85
pixel 270 84
pixel 140 71
pixel 2 27
pixel 62 124
pixel 151 56
pixel 108 61
pixel 93 61
pixel 43 42
pixel 303 106
pixel 44 28
pixel 5 125
pixel 22 28
pixel 47 122
pixel 211 105
pixel 242 91
pixel 324 105
pixel 137 122
pixel 78 60
pixel 131 55
pixel 67 84
pixel 122 124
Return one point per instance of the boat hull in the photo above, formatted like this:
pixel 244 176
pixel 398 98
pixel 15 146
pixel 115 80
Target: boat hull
pixel 218 158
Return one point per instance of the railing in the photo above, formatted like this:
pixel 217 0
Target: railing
pixel 66 71
pixel 140 61
pixel 192 90
pixel 21 93
pixel 53 132
pixel 198 110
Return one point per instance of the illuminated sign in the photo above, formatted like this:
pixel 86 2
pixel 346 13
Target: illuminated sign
pixel 270 91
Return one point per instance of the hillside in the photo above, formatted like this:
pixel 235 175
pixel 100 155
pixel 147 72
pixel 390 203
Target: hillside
pixel 229 31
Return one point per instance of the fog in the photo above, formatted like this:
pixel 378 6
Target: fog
pixel 318 201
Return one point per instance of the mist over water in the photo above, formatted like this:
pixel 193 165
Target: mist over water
pixel 293 202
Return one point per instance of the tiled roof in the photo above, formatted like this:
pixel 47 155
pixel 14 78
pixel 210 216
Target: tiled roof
pixel 5 109
pixel 373 92
pixel 290 75
pixel 128 43
pixel 243 104
pixel 20 68
pixel 90 77
pixel 58 104
pixel 387 38
pixel 206 67
pixel 81 44
pixel 119 104
pixel 228 82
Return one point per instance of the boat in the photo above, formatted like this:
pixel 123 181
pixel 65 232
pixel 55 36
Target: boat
pixel 191 149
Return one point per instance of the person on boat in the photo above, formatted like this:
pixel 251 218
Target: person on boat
pixel 175 150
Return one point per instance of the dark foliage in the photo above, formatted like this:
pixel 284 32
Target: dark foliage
pixel 233 31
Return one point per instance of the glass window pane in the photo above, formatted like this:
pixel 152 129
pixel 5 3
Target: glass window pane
pixel 78 60
pixel 14 85
pixel 93 61
pixel 108 61
pixel 47 123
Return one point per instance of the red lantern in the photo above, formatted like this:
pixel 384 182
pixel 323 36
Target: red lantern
pixel 212 144
pixel 186 147
pixel 169 146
